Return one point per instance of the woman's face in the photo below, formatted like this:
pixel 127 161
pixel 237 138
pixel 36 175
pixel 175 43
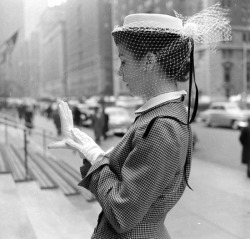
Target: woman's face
pixel 131 71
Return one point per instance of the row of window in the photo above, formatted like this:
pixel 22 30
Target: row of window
pixel 246 37
pixel 226 3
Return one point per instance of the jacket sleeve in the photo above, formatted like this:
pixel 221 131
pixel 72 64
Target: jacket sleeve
pixel 149 168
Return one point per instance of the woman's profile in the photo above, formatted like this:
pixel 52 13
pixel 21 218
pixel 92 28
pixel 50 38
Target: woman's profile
pixel 145 175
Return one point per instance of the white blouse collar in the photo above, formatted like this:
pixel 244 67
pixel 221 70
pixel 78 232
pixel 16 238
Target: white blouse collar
pixel 157 100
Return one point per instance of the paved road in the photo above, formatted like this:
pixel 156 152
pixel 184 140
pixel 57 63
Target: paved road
pixel 218 145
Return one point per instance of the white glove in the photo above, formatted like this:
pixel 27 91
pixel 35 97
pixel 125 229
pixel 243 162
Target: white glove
pixel 66 125
pixel 86 146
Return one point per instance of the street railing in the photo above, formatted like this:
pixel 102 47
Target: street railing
pixel 10 121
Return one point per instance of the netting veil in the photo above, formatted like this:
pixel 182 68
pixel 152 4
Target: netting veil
pixel 155 49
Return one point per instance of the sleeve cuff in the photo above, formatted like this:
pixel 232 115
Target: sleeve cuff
pixel 87 170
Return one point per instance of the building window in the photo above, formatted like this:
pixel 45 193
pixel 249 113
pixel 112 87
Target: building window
pixel 226 3
pixel 227 78
pixel 227 75
pixel 248 75
pixel 244 37
pixel 227 53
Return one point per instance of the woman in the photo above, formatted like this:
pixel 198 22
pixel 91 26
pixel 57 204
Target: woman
pixel 145 175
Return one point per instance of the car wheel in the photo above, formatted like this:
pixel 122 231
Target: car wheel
pixel 208 122
pixel 234 125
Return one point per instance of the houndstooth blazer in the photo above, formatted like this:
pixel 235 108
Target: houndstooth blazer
pixel 143 177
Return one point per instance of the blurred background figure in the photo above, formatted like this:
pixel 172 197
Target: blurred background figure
pixel 28 116
pixel 21 110
pixel 56 118
pixel 49 111
pixel 245 142
pixel 97 124
pixel 77 116
pixel 105 118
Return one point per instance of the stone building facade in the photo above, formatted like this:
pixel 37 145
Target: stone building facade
pixel 89 48
pixel 226 71
pixel 53 78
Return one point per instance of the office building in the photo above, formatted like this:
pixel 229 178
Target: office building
pixel 53 77
pixel 226 71
pixel 89 48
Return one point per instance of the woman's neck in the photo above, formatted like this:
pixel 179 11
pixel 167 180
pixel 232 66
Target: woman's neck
pixel 164 87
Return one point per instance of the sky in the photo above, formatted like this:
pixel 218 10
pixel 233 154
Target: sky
pixel 52 3
pixel 33 11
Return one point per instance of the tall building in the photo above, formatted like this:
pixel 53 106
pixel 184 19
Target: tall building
pixel 53 77
pixel 34 63
pixel 33 11
pixel 89 48
pixel 226 71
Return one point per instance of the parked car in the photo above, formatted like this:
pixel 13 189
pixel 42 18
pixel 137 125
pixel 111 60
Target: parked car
pixel 227 114
pixel 120 120
pixel 86 113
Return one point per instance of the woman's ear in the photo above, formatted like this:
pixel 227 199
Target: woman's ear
pixel 149 61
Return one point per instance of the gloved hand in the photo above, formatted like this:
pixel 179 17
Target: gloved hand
pixel 66 125
pixel 85 145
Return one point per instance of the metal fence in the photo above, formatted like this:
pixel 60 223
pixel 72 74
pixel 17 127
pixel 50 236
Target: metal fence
pixel 11 122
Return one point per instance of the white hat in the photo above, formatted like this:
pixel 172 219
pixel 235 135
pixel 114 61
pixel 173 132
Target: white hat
pixel 207 27
pixel 153 21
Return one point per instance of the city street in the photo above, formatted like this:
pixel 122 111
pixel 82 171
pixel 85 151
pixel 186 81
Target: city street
pixel 218 145
pixel 218 206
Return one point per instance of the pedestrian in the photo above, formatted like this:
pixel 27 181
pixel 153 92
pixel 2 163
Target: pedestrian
pixel 245 142
pixel 97 124
pixel 20 110
pixel 77 116
pixel 28 116
pixel 49 111
pixel 56 119
pixel 105 119
pixel 145 175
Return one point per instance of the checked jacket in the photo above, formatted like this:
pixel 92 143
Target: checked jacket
pixel 141 180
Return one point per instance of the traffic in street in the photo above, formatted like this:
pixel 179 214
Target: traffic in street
pixel 214 144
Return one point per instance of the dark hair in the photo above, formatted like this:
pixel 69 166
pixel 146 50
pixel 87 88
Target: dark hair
pixel 171 50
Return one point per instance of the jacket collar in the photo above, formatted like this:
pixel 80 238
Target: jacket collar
pixel 158 100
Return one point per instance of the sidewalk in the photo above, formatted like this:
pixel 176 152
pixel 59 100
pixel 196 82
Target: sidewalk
pixel 217 208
